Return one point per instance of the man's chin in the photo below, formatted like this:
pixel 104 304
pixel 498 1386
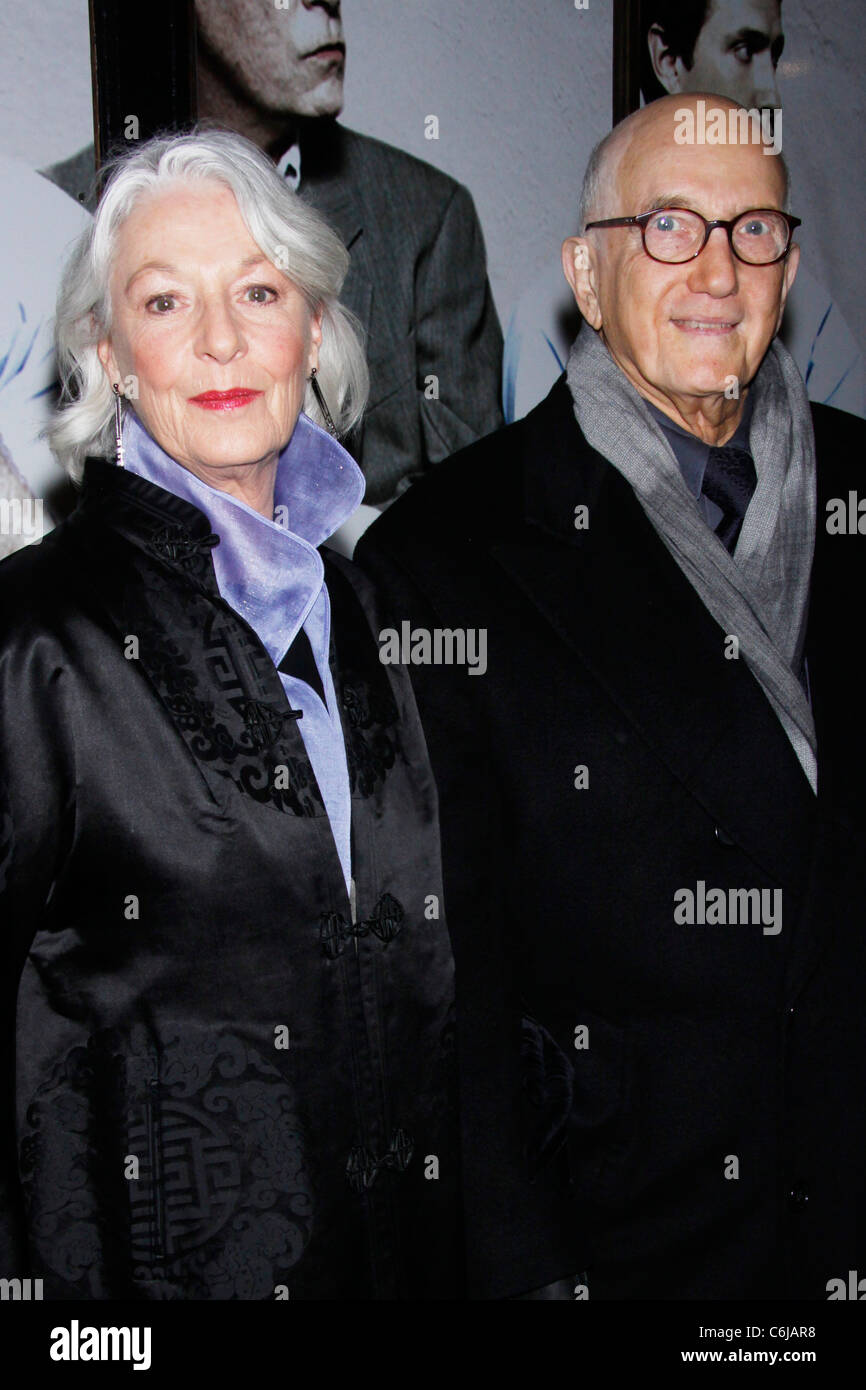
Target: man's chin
pixel 324 100
pixel 716 374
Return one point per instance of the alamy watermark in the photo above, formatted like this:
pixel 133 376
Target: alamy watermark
pixel 20 1290
pixel 77 1343
pixel 729 125
pixel 438 646
pixel 22 516
pixel 703 906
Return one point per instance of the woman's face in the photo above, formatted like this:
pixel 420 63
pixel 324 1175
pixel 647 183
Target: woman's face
pixel 197 308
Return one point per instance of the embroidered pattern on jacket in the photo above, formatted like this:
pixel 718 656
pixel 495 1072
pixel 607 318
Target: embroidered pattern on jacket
pixel 194 651
pixel 222 1207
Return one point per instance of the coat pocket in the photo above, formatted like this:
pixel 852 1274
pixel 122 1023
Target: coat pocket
pixel 599 1127
pixel 147 1190
pixel 576 1103
pixel 392 370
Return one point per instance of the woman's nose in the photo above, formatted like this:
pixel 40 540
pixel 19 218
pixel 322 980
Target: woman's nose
pixel 219 331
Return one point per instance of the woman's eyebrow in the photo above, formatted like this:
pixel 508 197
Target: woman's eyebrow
pixel 167 269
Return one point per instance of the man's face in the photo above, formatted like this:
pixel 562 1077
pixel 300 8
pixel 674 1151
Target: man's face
pixel 288 61
pixel 737 53
pixel 682 332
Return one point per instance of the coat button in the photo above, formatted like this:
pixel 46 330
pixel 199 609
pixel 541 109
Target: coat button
pixel 723 837
pixel 798 1197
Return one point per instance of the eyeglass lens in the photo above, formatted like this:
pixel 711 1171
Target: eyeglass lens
pixel 675 235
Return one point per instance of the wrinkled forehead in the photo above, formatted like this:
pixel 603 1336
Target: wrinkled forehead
pixel 718 180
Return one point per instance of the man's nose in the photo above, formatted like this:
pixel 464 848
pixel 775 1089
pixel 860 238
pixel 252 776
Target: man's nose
pixel 764 75
pixel 714 271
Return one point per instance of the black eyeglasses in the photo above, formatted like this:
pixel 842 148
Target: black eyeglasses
pixel 761 236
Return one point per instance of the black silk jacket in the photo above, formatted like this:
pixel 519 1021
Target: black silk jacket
pixel 218 1082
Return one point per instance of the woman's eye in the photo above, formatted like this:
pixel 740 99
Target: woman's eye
pixel 161 303
pixel 260 292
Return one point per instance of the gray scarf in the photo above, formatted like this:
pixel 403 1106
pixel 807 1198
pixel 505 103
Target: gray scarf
pixel 760 594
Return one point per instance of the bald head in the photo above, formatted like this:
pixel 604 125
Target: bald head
pixel 661 125
pixel 689 334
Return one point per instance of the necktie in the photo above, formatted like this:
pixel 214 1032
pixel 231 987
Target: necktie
pixel 730 480
pixel 300 663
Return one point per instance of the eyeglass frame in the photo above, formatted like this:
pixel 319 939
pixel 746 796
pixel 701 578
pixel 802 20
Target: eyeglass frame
pixel 643 218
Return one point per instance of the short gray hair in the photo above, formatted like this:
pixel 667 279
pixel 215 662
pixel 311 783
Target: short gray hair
pixel 292 235
pixel 591 188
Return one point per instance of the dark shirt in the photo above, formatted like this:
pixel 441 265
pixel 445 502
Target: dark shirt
pixel 692 455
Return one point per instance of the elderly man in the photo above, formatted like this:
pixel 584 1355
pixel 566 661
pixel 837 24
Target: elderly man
pixel 732 47
pixel 652 798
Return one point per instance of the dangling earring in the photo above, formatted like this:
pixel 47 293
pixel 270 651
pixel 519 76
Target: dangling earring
pixel 317 392
pixel 118 426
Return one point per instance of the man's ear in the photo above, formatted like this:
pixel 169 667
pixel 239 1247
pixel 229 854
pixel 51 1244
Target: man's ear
pixel 667 66
pixel 792 261
pixel 581 272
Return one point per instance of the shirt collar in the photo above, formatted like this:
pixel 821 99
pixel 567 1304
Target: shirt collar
pixel 270 572
pixel 289 166
pixel 691 453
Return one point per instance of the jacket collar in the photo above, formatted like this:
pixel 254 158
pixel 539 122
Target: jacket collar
pixel 270 572
pixel 326 175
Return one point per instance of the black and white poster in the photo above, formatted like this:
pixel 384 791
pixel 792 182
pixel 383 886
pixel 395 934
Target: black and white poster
pixel 432 815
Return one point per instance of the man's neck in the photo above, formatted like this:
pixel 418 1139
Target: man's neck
pixel 713 422
pixel 712 419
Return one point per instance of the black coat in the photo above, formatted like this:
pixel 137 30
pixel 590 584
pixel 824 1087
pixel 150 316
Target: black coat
pixel 608 1154
pixel 218 1085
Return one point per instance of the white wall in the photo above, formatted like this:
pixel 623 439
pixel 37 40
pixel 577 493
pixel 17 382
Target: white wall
pixel 522 89
pixel 46 109
pixel 822 83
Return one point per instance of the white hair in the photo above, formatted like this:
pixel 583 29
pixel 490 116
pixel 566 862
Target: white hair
pixel 292 235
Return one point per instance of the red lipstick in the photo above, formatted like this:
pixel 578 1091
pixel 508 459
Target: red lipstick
pixel 224 400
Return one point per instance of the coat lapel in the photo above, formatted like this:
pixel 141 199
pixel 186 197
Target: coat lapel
pixel 328 185
pixel 616 596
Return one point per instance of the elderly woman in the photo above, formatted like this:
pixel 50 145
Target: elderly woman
pixel 227 1019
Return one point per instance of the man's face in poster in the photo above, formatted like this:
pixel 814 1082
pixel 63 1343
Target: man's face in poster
pixel 736 54
pixel 288 60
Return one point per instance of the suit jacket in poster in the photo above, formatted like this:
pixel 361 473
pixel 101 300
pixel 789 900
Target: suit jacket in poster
pixel 418 283
pixel 220 1078
pixel 654 1109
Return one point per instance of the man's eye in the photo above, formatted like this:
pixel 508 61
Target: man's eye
pixel 260 291
pixel 754 227
pixel 743 53
pixel 161 303
pixel 666 222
